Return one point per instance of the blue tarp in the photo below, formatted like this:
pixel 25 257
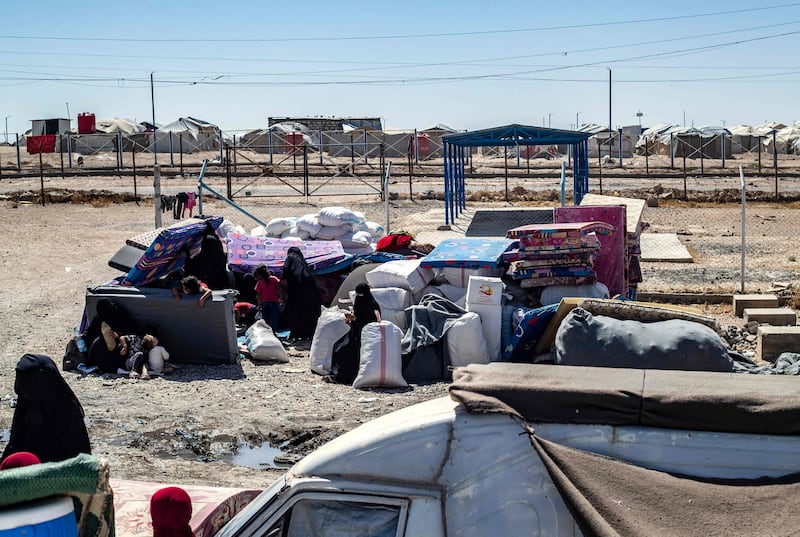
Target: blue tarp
pixel 467 253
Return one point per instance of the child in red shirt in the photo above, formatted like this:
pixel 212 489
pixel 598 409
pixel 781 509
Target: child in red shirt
pixel 267 295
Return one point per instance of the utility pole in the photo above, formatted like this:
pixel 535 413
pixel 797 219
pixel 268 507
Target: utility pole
pixel 610 132
pixel 153 105
pixel 6 131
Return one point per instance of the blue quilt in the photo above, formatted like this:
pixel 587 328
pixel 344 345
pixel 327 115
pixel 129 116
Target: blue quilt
pixel 527 334
pixel 470 253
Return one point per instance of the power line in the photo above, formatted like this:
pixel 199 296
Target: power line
pixel 399 36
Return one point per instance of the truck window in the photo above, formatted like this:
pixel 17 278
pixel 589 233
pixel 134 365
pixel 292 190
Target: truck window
pixel 337 518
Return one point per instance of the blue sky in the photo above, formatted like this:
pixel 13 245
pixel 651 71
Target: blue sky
pixel 414 63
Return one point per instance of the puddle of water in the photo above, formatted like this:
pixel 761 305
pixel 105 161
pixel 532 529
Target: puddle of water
pixel 262 456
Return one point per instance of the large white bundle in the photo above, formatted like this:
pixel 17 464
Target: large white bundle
pixel 454 293
pixel 330 233
pixel 258 231
pixel 393 302
pixel 381 361
pixel 296 233
pixel 552 294
pixel 227 227
pixel 460 276
pixel 338 216
pixel 309 222
pixel 277 226
pixel 263 345
pixel 375 229
pixel 405 273
pixel 465 342
pixel 359 239
pixel 492 326
pixel 331 326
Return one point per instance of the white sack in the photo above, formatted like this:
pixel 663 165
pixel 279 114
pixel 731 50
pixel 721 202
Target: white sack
pixel 277 226
pixel 258 231
pixel 381 359
pixel 460 276
pixel 453 293
pixel 375 229
pixel 492 325
pixel 330 233
pixel 406 274
pixel 263 345
pixel 465 342
pixel 331 326
pixel 309 222
pixel 338 216
pixel 359 239
pixel 393 302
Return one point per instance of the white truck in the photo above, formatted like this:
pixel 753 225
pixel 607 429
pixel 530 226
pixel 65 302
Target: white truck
pixel 508 452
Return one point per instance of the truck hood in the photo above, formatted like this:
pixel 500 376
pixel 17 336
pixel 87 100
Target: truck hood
pixel 407 446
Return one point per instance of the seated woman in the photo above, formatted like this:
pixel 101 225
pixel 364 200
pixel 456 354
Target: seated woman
pixel 347 357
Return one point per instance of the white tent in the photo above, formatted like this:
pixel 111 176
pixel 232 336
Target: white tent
pixel 193 134
pixel 117 124
pixel 784 137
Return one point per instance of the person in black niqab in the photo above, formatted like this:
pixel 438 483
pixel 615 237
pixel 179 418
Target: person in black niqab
pixel 347 357
pixel 103 346
pixel 303 301
pixel 210 265
pixel 48 418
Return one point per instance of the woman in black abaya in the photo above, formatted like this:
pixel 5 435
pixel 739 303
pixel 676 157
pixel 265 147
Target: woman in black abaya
pixel 303 302
pixel 347 357
pixel 48 418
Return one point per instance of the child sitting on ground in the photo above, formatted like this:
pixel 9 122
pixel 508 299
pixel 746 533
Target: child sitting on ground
pixel 190 285
pixel 156 357
pixel 131 347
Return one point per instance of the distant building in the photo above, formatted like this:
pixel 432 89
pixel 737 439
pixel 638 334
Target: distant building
pixel 329 124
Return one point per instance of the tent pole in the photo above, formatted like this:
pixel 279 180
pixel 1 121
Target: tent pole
pixel 505 166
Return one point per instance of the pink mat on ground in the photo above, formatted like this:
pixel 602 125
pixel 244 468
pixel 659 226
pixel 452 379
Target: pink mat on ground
pixel 212 507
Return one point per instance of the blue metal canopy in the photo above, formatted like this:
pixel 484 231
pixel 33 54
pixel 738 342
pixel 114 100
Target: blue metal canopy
pixel 455 155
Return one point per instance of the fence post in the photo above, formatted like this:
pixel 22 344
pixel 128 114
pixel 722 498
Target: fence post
pixel 306 188
pixel 685 194
pixel 171 155
pixel 235 161
pixel 19 162
pixel 180 148
pixel 228 171
pixel 69 150
pixel 133 162
pixel 744 205
pixel 41 172
pixel 671 153
pixel 119 147
pixel 775 162
pixel 723 150
pixel 319 147
pixel 61 153
pixel 759 155
pixel 620 147
pixel 366 148
pixel 381 166
pixel 416 147
pixel 121 150
pixel 269 141
pixel 599 166
pixel 352 154
pixel 647 156
pixel 156 194
pixel 219 131
pixel 518 161
pixel 702 158
pixel 505 160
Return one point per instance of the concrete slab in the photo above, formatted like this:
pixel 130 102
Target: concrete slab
pixel 742 302
pixel 774 340
pixel 771 316
pixel 495 222
pixel 663 248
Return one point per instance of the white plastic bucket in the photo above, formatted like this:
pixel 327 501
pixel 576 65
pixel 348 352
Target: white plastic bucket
pixel 53 517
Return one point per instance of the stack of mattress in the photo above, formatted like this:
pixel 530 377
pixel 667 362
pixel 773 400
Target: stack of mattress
pixel 555 254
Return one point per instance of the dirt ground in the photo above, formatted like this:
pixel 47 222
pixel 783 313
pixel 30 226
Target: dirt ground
pixel 192 427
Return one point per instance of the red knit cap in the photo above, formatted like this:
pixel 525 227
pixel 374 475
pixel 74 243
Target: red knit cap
pixel 171 511
pixel 18 459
